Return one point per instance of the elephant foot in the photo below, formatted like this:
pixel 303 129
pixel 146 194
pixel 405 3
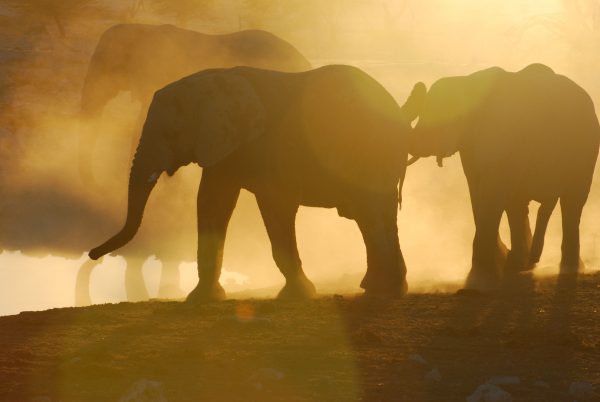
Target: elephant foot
pixel 206 294
pixel 137 293
pixel 385 289
pixel 171 292
pixel 516 264
pixel 571 267
pixel 532 263
pixel 502 255
pixel 300 288
pixel 485 281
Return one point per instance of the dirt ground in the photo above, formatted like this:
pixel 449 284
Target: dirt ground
pixel 424 347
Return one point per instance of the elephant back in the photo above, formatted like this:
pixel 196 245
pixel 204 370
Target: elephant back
pixel 215 111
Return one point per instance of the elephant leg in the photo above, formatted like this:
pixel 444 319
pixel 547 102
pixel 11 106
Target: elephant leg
pixel 82 283
pixel 541 224
pixel 386 269
pixel 485 272
pixel 520 235
pixel 135 286
pixel 169 286
pixel 571 208
pixel 501 252
pixel 217 197
pixel 280 221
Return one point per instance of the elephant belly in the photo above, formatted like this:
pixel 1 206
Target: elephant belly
pixel 300 180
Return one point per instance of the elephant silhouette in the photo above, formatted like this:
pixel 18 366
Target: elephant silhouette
pixel 139 59
pixel 522 136
pixel 331 137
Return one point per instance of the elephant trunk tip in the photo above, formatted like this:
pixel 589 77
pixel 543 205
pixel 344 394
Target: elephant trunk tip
pixel 96 253
pixel 115 242
pixel 414 104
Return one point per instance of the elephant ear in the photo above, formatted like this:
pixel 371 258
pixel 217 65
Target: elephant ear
pixel 223 111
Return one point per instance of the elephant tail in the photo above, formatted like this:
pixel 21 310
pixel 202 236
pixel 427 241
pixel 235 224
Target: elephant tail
pixel 400 184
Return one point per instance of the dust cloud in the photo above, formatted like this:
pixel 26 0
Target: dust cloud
pixel 49 216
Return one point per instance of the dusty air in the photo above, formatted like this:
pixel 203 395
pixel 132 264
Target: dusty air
pixel 299 200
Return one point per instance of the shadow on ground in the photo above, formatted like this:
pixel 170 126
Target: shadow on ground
pixel 545 332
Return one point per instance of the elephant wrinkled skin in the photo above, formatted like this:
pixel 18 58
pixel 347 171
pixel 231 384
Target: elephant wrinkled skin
pixel 331 137
pixel 529 135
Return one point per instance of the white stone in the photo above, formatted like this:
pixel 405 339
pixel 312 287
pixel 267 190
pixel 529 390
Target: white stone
pixel 489 393
pixel 504 380
pixel 581 390
pixel 145 391
pixel 264 376
pixel 268 374
pixel 418 359
pixel 434 375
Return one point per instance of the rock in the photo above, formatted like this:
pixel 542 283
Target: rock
pixel 433 375
pixel 145 391
pixel 504 380
pixel 263 377
pixel 541 384
pixel 418 359
pixel 489 393
pixel 75 360
pixel 42 399
pixel 582 390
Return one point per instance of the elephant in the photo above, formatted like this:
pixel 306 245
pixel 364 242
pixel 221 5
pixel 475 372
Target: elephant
pixel 331 137
pixel 139 59
pixel 522 136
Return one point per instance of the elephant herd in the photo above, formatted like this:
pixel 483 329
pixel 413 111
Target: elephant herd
pixel 257 117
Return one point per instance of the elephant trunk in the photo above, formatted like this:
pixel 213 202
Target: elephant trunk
pixel 142 180
pixel 86 146
pixel 412 160
pixel 416 146
pixel 98 90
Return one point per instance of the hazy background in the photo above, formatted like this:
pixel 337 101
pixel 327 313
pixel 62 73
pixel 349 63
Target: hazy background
pixel 45 47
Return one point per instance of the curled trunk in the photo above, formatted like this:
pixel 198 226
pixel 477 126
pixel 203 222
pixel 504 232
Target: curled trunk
pixel 98 90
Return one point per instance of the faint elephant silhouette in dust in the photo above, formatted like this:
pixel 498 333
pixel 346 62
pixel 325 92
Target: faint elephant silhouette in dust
pixel 139 59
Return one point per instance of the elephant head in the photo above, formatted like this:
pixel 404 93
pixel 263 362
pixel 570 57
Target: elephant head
pixel 447 112
pixel 201 118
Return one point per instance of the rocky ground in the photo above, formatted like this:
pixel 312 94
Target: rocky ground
pixel 537 340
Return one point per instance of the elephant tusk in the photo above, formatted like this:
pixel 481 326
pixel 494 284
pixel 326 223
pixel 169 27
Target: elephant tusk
pixel 412 160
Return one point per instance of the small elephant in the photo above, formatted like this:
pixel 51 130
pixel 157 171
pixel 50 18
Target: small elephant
pixel 529 135
pixel 331 137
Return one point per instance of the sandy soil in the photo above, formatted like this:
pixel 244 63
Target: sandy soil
pixel 546 332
